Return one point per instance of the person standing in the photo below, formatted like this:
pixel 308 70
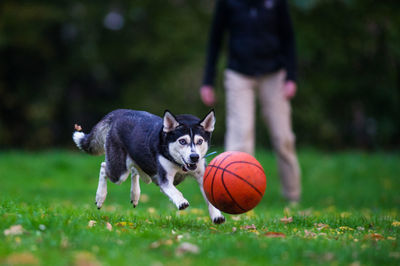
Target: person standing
pixel 261 58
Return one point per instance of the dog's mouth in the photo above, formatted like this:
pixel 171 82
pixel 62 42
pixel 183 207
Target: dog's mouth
pixel 188 166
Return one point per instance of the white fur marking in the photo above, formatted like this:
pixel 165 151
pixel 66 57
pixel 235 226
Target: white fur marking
pixel 135 187
pixel 102 186
pixel 77 137
pixel 167 187
pixel 215 214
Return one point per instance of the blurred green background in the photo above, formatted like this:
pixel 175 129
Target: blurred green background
pixel 66 62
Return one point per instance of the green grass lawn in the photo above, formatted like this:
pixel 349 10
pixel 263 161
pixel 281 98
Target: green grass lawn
pixel 349 215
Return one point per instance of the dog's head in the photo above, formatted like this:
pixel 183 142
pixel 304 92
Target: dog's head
pixel 187 138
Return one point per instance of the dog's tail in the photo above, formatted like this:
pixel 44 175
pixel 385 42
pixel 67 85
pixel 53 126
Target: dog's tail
pixel 92 143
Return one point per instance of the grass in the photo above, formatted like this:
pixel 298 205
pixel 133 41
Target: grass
pixel 349 215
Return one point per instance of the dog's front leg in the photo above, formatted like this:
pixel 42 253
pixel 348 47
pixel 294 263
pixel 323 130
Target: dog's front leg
pixel 102 187
pixel 135 187
pixel 215 214
pixel 168 188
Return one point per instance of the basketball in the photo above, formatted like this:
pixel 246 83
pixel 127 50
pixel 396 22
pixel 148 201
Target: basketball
pixel 234 182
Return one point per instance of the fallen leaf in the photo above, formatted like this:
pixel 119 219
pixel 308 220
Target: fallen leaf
pixel 249 227
pixel 158 243
pixel 92 223
pixel 42 227
pixel 250 214
pixel 84 258
pixel 186 247
pixel 24 258
pixel 375 236
pixel 287 220
pixel 309 233
pixel 235 217
pixel 196 211
pixel 109 226
pixel 155 244
pixel 346 228
pixel 121 224
pixel 14 230
pixel 144 198
pixel 321 226
pixel 275 234
pixel 396 223
pixel 151 210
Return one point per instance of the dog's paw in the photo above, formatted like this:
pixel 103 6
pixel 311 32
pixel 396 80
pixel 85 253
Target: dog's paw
pixel 99 201
pixel 183 205
pixel 134 204
pixel 219 220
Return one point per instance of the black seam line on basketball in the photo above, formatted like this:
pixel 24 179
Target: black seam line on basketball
pixel 212 182
pixel 256 165
pixel 227 191
pixel 212 165
pixel 206 174
pixel 241 178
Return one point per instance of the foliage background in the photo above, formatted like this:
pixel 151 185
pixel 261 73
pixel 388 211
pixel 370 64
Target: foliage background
pixel 66 62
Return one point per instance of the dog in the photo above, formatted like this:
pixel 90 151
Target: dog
pixel 160 150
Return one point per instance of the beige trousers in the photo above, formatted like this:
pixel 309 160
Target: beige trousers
pixel 240 133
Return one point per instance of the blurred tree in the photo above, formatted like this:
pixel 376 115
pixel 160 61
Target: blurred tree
pixel 66 62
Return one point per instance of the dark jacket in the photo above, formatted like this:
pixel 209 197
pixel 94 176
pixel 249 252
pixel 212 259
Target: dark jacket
pixel 261 38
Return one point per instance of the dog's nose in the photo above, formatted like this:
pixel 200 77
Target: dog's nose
pixel 194 157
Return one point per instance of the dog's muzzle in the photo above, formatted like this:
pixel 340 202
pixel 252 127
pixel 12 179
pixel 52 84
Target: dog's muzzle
pixel 194 158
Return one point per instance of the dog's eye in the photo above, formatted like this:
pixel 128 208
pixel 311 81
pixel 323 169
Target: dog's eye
pixel 182 142
pixel 199 142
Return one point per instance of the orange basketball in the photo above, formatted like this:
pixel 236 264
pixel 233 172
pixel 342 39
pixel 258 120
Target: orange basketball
pixel 234 182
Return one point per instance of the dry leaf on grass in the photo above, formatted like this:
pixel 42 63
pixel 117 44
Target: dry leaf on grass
pixel 109 226
pixel 92 223
pixel 24 258
pixel 321 226
pixel 375 237
pixel 249 227
pixel 287 220
pixel 275 234
pixel 159 243
pixel 14 230
pixel 186 247
pixel 309 234
pixel 84 258
pixel 396 223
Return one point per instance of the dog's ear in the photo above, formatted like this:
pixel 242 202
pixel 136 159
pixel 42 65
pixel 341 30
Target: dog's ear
pixel 169 122
pixel 208 122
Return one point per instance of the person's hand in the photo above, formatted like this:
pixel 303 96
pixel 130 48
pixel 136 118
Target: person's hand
pixel 207 95
pixel 289 89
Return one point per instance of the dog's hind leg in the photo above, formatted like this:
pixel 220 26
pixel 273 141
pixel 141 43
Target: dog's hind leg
pixel 102 186
pixel 135 187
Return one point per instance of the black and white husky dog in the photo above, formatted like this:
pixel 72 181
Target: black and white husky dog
pixel 163 150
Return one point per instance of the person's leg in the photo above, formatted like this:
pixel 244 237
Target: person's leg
pixel 240 108
pixel 277 112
